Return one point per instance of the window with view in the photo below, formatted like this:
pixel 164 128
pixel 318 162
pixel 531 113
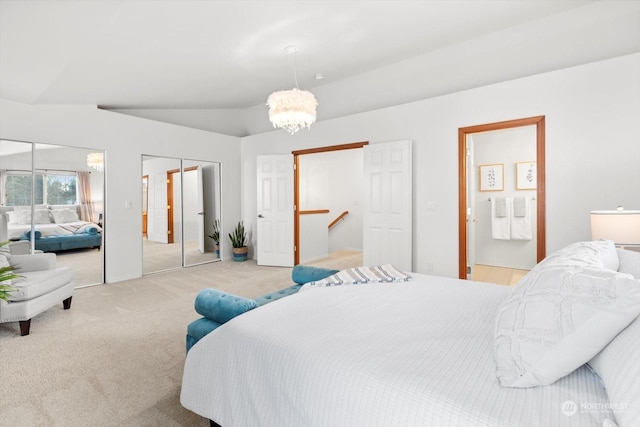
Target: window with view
pixel 50 189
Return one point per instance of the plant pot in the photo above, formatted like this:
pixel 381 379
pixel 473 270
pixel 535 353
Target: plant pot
pixel 240 254
pixel 218 251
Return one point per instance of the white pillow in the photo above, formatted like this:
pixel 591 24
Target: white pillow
pixel 560 315
pixel 19 217
pixel 618 367
pixel 41 216
pixel 64 215
pixel 617 364
pixel 598 253
pixel 629 262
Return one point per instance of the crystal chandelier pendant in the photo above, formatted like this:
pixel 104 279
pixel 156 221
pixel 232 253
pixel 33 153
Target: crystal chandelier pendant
pixel 293 109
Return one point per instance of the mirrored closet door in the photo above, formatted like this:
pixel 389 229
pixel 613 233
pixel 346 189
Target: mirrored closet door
pixel 55 194
pixel 181 202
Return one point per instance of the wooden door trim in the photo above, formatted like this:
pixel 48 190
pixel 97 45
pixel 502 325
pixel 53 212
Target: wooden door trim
pixel 170 205
pixel 296 187
pixel 539 122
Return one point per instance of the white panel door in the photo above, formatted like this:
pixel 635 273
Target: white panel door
pixel 158 221
pixel 201 212
pixel 387 215
pixel 274 238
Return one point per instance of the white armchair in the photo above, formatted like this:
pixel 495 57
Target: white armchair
pixel 41 286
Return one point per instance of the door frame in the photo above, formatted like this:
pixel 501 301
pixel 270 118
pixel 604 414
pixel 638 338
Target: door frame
pixel 296 187
pixel 170 205
pixel 463 132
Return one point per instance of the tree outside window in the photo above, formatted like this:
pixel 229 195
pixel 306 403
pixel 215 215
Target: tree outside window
pixel 50 189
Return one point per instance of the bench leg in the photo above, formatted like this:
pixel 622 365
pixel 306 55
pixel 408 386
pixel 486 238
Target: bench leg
pixel 25 325
pixel 67 303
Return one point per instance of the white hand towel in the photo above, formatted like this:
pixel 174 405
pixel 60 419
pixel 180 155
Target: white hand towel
pixel 519 206
pixel 501 226
pixel 521 227
pixel 501 207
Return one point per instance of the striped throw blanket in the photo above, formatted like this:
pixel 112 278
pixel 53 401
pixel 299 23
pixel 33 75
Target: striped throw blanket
pixel 353 276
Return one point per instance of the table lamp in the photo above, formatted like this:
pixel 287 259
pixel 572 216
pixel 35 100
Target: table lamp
pixel 620 225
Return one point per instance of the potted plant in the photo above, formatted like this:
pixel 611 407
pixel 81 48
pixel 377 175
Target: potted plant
pixel 238 240
pixel 215 236
pixel 6 274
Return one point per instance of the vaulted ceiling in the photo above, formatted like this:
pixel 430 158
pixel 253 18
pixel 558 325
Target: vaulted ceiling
pixel 227 56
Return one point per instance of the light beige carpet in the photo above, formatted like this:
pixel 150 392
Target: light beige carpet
pixel 116 357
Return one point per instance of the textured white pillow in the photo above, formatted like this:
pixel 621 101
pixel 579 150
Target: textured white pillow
pixel 597 253
pixel 560 315
pixel 64 215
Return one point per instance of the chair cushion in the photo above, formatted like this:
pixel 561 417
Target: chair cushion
pixel 35 283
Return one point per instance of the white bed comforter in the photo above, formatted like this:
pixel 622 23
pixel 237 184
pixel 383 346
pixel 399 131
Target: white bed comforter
pixel 418 353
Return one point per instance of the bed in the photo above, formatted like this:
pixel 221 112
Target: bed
pixel 57 227
pixel 415 353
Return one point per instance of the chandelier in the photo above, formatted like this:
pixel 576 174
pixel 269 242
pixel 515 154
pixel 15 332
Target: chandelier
pixel 293 109
pixel 95 161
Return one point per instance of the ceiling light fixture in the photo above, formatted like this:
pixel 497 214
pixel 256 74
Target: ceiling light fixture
pixel 95 161
pixel 292 109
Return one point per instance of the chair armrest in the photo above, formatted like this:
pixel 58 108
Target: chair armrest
pixel 20 247
pixel 33 262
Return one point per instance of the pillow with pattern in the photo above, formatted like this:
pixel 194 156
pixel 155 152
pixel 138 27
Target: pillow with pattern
pixel 560 315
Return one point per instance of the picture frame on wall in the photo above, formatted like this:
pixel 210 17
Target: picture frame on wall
pixel 526 176
pixel 492 177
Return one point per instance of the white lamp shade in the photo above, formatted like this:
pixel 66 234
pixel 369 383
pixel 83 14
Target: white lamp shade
pixel 623 227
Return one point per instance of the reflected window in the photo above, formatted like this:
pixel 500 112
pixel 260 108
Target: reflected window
pixel 50 189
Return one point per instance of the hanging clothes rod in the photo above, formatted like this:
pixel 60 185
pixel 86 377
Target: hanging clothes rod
pixel 489 199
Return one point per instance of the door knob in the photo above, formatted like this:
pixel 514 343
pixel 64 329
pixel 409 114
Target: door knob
pixel 201 213
pixel 260 216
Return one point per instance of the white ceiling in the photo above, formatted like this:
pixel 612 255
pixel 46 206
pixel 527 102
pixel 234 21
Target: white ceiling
pixel 230 54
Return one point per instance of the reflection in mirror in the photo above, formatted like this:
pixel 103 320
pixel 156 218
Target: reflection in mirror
pixel 145 203
pixel 181 201
pixel 67 204
pixel 15 189
pixel 200 207
pixel 161 247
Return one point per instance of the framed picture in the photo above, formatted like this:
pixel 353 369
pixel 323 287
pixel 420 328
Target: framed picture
pixel 526 177
pixel 492 177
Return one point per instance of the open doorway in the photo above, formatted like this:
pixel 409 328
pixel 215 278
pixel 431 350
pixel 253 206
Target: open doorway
pixel 318 173
pixel 496 178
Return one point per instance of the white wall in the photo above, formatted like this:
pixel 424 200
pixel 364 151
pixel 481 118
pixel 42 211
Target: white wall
pixel 125 139
pixel 592 149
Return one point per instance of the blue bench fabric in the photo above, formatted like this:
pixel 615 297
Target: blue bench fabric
pixel 65 242
pixel 219 307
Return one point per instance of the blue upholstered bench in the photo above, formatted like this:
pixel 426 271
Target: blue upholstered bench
pixel 65 242
pixel 218 307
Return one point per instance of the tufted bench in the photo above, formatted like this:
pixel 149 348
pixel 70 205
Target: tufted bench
pixel 218 307
pixel 65 241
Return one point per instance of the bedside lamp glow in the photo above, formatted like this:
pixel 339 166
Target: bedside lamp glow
pixel 621 226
